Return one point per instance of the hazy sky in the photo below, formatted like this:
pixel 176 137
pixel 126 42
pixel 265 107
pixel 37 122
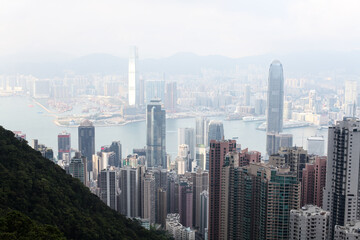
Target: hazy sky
pixel 161 28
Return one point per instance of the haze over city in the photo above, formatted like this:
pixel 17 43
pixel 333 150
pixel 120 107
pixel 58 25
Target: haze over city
pixel 163 28
pixel 180 120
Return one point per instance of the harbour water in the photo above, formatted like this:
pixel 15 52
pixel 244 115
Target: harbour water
pixel 22 114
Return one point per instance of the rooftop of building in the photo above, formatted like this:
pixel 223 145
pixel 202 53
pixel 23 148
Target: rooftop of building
pixel 173 217
pixel 216 122
pixel 310 210
pixel 352 228
pixel 155 101
pixel 86 123
pixel 173 221
pixel 276 62
pixel 347 122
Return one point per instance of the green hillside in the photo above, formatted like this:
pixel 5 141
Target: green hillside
pixel 38 200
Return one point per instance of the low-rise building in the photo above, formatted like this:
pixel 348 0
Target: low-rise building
pixel 177 230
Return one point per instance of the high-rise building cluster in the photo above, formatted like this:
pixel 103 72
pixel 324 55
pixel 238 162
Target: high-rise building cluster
pixel 214 189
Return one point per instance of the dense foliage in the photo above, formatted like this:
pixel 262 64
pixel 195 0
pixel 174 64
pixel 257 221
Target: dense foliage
pixel 15 225
pixel 52 204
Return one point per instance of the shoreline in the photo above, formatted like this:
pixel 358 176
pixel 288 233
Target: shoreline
pixel 42 106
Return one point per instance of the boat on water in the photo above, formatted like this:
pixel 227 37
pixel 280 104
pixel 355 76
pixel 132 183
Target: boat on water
pixel 253 119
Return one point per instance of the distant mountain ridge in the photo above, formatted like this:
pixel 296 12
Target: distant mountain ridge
pixel 38 200
pixel 184 63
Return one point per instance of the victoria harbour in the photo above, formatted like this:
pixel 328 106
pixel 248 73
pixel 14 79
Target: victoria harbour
pixel 36 123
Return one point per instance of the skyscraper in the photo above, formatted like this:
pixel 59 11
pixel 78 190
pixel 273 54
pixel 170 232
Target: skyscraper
pixel 312 101
pixel 249 200
pixel 35 144
pixel 200 183
pixel 149 196
pixel 260 106
pixel 129 197
pixel 247 95
pixel 77 168
pixel 275 99
pixel 171 97
pixel 295 159
pixel 243 199
pixel 161 206
pixel 216 131
pixel 350 91
pixel 161 182
pixel 283 195
pixel 313 182
pixel 116 148
pixel 186 203
pixel 187 136
pixel 86 139
pixel 109 188
pixel 350 98
pixel 202 125
pixel 275 141
pixel 155 135
pixel 64 144
pixel 173 193
pixel 315 145
pixel 201 157
pixel 204 212
pixel 341 193
pixel 133 84
pixel 218 150
pixel 287 110
pixel 227 181
pixel 180 165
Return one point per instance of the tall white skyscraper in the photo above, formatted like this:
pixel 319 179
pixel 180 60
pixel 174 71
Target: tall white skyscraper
pixel 134 86
pixel 275 99
pixel 341 195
